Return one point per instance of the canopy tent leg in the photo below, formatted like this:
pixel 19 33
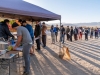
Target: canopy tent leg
pixel 32 25
pixel 60 40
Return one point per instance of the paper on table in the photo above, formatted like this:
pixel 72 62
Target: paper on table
pixel 36 38
pixel 19 48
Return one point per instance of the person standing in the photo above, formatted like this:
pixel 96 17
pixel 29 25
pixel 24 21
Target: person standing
pixel 4 30
pixel 44 28
pixel 52 30
pixel 86 34
pixel 41 32
pixel 56 33
pixel 71 33
pixel 75 33
pixel 37 34
pixel 62 34
pixel 80 33
pixel 96 33
pixel 67 32
pixel 91 35
pixel 30 29
pixel 24 37
pixel 20 22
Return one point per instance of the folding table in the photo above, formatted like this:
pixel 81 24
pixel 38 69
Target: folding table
pixel 8 57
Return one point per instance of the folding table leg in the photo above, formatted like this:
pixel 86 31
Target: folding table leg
pixel 9 66
pixel 18 54
pixel 13 59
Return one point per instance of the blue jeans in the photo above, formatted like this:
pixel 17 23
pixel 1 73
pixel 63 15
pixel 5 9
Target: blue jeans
pixel 62 38
pixel 26 56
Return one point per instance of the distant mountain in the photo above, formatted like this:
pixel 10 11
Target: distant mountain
pixel 79 24
pixel 88 24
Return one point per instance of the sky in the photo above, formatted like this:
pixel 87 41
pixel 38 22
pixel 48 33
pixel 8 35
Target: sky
pixel 72 11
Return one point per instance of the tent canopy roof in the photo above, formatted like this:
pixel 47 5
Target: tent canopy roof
pixel 25 10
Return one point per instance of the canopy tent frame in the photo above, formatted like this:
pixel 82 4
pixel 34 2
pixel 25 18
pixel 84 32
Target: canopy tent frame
pixel 24 10
pixel 17 9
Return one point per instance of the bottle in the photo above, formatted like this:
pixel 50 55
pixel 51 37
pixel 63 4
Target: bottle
pixel 10 48
pixel 10 44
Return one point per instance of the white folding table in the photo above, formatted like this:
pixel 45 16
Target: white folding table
pixel 8 57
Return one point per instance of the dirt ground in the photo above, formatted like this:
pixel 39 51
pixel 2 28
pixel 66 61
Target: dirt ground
pixel 85 57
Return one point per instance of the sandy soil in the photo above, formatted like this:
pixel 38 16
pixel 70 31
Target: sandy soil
pixel 85 60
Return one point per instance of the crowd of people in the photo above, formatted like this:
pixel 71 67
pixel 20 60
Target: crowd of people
pixel 26 36
pixel 73 32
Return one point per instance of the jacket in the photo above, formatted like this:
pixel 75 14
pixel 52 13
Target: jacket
pixel 62 31
pixel 30 29
pixel 4 31
pixel 67 30
pixel 57 29
pixel 75 31
pixel 86 32
pixel 71 32
pixel 44 28
pixel 37 31
pixel 53 29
